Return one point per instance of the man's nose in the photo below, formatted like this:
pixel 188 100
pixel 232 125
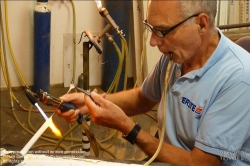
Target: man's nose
pixel 155 40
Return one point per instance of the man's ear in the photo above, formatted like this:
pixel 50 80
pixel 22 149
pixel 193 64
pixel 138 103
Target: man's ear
pixel 203 22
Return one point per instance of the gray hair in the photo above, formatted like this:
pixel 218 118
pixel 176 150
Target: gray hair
pixel 189 7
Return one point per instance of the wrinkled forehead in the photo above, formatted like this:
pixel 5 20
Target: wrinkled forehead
pixel 163 9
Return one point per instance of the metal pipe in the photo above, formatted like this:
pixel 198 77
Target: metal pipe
pixel 231 26
pixel 85 140
pixel 86 65
pixel 105 30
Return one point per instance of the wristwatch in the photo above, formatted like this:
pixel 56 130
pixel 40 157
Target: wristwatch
pixel 130 137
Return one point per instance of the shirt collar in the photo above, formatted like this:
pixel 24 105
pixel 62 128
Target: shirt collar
pixel 217 54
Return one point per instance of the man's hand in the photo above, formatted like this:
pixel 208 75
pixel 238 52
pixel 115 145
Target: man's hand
pixel 106 113
pixel 78 100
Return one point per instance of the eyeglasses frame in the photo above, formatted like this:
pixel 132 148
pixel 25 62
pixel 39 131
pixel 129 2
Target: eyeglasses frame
pixel 167 31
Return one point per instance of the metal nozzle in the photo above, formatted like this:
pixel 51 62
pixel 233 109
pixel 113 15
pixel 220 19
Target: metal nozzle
pixel 110 38
pixel 104 13
pixel 94 41
pixel 33 98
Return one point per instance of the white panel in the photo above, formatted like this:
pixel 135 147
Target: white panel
pixel 153 56
pixel 223 12
pixel 68 55
pixel 137 34
pixel 152 53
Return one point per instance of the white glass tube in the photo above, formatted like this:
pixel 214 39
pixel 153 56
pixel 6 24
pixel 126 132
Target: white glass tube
pixel 33 140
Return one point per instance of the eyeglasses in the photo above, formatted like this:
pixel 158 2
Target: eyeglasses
pixel 163 33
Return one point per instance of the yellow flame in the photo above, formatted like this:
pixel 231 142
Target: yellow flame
pixel 99 4
pixel 55 130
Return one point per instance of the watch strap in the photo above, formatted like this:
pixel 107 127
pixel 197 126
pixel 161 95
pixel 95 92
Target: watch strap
pixel 131 136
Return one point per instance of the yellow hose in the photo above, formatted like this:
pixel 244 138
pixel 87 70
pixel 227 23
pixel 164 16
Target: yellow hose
pixel 167 77
pixel 117 75
pixel 119 70
pixel 124 42
pixel 10 46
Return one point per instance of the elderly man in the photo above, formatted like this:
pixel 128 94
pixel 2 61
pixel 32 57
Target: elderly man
pixel 207 102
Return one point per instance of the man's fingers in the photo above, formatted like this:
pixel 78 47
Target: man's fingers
pixel 72 97
pixel 98 99
pixel 104 95
pixel 68 113
pixel 89 102
pixel 58 112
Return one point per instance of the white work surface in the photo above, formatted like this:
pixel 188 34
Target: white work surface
pixel 43 160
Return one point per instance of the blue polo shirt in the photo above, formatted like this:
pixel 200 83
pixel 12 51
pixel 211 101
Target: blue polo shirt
pixel 208 108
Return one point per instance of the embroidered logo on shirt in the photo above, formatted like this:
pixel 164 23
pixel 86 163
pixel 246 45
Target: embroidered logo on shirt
pixel 196 109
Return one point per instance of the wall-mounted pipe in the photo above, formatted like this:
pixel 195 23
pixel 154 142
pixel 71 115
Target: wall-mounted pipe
pixel 231 26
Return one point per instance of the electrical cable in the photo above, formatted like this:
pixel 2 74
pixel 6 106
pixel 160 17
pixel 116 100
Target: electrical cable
pixel 79 39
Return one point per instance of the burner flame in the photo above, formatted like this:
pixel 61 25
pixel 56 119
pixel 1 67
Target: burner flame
pixel 99 4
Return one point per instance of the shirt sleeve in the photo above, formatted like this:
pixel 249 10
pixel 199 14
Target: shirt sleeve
pixel 226 126
pixel 154 83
